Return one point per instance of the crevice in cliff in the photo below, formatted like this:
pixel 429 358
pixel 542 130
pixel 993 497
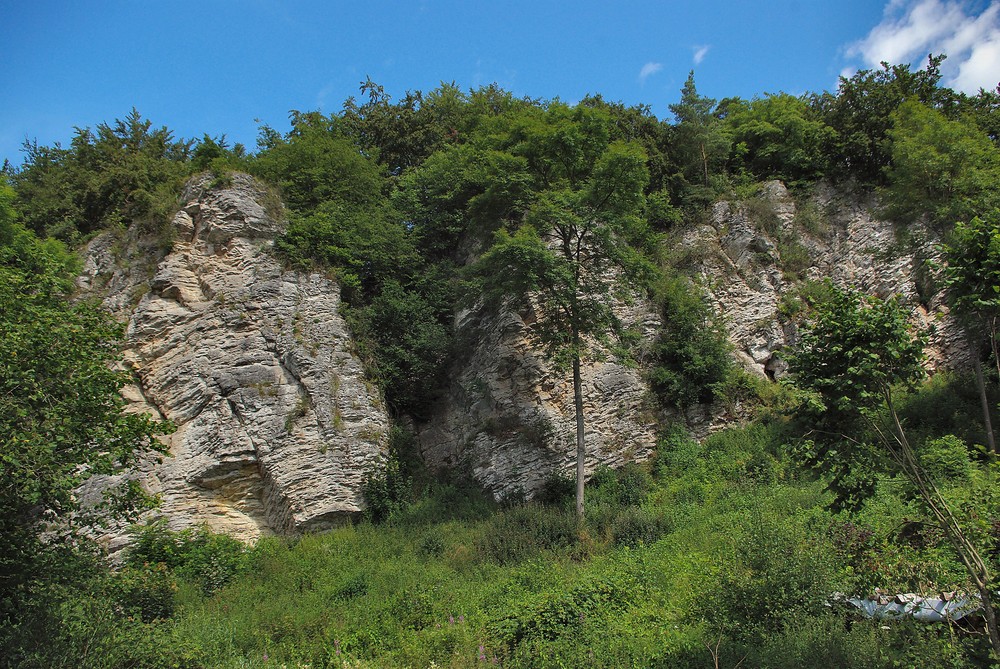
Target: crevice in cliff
pixel 235 409
pixel 147 399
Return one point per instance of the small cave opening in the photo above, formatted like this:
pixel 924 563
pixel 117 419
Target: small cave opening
pixel 775 367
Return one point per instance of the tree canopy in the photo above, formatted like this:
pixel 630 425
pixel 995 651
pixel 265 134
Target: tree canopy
pixel 61 418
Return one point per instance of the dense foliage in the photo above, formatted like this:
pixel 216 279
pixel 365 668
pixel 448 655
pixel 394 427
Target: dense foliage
pixel 61 422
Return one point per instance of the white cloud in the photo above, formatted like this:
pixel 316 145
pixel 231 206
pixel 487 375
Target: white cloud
pixel 699 53
pixel 912 29
pixel 648 70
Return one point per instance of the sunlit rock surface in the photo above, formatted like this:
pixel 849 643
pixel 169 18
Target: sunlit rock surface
pixel 276 426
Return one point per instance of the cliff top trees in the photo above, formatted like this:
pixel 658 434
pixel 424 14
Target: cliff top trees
pixel 861 114
pixel 942 167
pixel 778 137
pixel 700 143
pixel 122 172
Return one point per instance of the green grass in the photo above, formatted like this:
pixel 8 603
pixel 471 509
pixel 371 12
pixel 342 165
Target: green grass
pixel 739 564
pixel 716 552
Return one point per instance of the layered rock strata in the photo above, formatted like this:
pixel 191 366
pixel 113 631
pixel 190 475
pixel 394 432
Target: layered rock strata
pixel 508 416
pixel 276 425
pixel 743 263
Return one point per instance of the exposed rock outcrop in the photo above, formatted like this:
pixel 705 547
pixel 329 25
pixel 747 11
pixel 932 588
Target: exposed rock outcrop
pixel 508 416
pixel 276 426
pixel 739 258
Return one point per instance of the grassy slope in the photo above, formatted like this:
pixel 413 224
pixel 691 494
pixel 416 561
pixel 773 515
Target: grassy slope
pixel 727 553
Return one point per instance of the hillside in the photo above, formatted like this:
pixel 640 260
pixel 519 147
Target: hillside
pixel 468 379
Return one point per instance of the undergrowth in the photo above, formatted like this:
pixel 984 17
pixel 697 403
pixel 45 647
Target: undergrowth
pixel 720 551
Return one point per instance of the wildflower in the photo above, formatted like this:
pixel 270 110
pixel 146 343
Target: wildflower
pixel 461 619
pixel 451 620
pixel 266 657
pixel 482 653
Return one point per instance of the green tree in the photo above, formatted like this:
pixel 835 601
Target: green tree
pixel 861 113
pixel 570 259
pixel 316 162
pixel 401 135
pixel 61 420
pixel 691 355
pixel 777 137
pixel 638 124
pixel 406 344
pixel 972 276
pixel 855 356
pixel 216 154
pixel 946 168
pixel 125 172
pixel 366 246
pixel 699 137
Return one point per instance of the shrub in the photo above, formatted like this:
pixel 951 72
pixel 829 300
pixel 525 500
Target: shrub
pixel 634 526
pixel 633 484
pixel 524 531
pixel 556 490
pixel 432 545
pixel 197 554
pixel 778 575
pixel 558 614
pixel 146 591
pixel 386 491
pixel 691 353
pixel 946 457
pixel 354 586
pixel 676 452
pixel 626 486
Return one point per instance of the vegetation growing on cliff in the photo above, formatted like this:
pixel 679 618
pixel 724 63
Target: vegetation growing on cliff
pixel 722 552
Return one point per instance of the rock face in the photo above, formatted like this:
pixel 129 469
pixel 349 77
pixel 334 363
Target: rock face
pixel 276 426
pixel 508 417
pixel 744 252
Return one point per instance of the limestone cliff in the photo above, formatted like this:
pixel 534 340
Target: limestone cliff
pixel 508 416
pixel 276 426
pixel 739 259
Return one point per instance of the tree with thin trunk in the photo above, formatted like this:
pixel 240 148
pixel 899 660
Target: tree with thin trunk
pixel 853 356
pixel 569 260
pixel 972 276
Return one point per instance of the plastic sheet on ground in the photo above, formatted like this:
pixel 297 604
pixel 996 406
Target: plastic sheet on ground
pixel 949 606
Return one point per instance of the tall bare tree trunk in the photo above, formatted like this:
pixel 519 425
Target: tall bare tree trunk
pixel 983 400
pixel 704 161
pixel 581 452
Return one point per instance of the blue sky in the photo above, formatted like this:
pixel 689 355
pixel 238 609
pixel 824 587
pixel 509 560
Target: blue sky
pixel 216 66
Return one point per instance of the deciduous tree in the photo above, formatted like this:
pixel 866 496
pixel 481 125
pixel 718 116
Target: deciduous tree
pixel 854 356
pixel 972 275
pixel 61 414
pixel 571 258
pixel 945 168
